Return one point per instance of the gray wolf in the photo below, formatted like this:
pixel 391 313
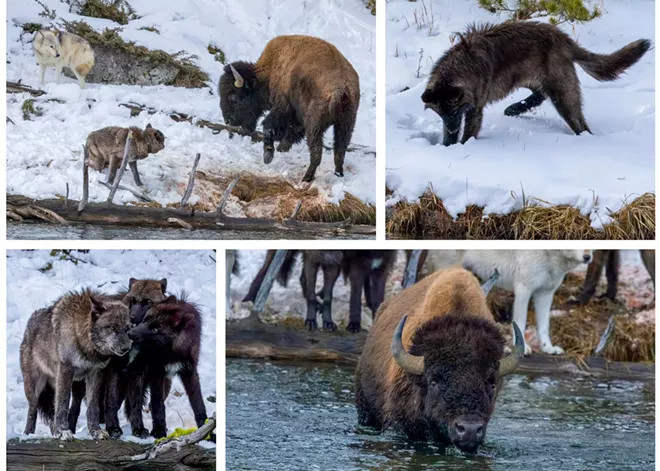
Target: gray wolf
pixel 307 85
pixel 61 49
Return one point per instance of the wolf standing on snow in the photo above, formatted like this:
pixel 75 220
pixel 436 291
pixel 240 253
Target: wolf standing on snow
pixel 491 61
pixel 105 148
pixel 61 49
pixel 64 350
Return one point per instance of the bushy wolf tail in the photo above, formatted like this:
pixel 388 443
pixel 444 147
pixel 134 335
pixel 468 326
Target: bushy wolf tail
pixel 606 67
pixel 46 404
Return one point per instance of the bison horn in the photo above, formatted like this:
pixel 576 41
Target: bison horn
pixel 409 363
pixel 509 364
pixel 490 282
pixel 238 80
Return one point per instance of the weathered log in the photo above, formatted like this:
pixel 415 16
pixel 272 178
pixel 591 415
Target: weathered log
pixel 191 181
pixel 139 216
pixel 110 455
pixel 15 87
pixel 257 340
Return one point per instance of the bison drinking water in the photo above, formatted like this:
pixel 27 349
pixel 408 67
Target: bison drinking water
pixel 433 362
pixel 307 85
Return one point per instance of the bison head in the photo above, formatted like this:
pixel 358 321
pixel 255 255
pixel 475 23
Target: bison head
pixel 457 363
pixel 243 98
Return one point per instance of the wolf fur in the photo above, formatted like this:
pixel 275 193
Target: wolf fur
pixel 61 49
pixel 530 274
pixel 491 61
pixel 64 350
pixel 105 148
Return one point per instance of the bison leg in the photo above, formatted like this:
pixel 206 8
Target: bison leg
pixel 280 124
pixel 330 275
pixel 343 129
pixel 315 144
pixel 308 284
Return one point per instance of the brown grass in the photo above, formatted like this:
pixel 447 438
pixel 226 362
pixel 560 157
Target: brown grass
pixel 427 218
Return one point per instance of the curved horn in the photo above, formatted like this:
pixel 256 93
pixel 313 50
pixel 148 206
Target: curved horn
pixel 490 282
pixel 509 364
pixel 409 363
pixel 238 80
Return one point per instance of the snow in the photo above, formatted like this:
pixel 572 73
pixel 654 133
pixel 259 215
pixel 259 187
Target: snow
pixel 535 154
pixel 28 289
pixel 45 153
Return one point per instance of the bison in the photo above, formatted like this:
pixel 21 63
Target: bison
pixel 307 85
pixel 433 362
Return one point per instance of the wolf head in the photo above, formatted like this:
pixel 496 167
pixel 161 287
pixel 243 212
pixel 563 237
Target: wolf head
pixel 242 96
pixel 142 294
pixel 450 101
pixel 576 257
pixel 161 323
pixel 155 139
pixel 109 327
pixel 48 42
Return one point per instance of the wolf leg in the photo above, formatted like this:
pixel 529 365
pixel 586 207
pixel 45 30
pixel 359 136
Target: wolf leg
pixel 33 400
pixel 356 276
pixel 42 73
pixel 112 171
pixel 534 100
pixel 308 284
pixel 594 270
pixel 159 429
pixel 136 174
pixel 612 274
pixel 520 305
pixel 94 389
pixel 77 396
pixel 564 92
pixel 58 73
pixel 330 274
pixel 542 305
pixel 190 380
pixel 473 120
pixel 134 403
pixel 63 385
pixel 113 397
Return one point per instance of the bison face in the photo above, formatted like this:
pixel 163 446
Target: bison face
pixel 457 360
pixel 451 104
pixel 243 99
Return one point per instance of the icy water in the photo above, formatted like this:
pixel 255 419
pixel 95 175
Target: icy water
pixel 282 416
pixel 79 232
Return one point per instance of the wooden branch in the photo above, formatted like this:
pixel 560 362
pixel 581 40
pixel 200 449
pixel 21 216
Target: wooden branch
pixel 226 194
pixel 132 216
pixel 14 216
pixel 410 275
pixel 122 168
pixel 15 87
pixel 181 223
pixel 85 198
pixel 247 339
pixel 191 181
pixel 267 283
pixel 137 194
pixel 66 198
pixel 107 455
pixel 296 210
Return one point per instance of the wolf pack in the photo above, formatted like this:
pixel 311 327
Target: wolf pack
pixel 109 350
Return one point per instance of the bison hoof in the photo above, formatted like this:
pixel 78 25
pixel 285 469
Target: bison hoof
pixel 64 435
pixel 141 433
pixel 284 146
pixel 353 327
pixel 114 432
pixel 99 434
pixel 331 326
pixel 268 155
pixel 311 324
pixel 159 432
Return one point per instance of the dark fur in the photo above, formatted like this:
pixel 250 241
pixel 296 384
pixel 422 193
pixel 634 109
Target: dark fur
pixel 169 334
pixel 307 85
pixel 491 61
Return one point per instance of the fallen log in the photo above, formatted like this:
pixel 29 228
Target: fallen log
pixel 51 210
pixel 16 87
pixel 254 339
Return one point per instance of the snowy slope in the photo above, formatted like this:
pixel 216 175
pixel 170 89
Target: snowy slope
pixel 28 290
pixel 45 153
pixel 536 153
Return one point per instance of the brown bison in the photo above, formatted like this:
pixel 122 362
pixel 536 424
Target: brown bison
pixel 435 377
pixel 307 85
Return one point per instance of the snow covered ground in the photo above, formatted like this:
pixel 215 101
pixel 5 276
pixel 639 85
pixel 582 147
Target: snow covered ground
pixel 45 153
pixel 536 153
pixel 28 289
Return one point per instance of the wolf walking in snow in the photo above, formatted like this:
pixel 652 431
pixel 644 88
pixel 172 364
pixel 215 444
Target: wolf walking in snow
pixel 64 350
pixel 61 49
pixel 106 148
pixel 491 61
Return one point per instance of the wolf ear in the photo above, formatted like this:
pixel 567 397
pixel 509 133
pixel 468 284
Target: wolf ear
pixel 97 307
pixel 163 285
pixel 131 281
pixel 148 125
pixel 58 35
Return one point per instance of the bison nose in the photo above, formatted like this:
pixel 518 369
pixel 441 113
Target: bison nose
pixel 468 433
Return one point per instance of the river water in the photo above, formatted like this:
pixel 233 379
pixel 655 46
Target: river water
pixel 284 416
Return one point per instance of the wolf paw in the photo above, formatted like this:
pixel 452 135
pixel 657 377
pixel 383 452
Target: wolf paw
pixel 159 432
pixel 64 435
pixel 311 324
pixel 99 434
pixel 528 349
pixel 114 432
pixel 353 327
pixel 331 326
pixel 141 433
pixel 552 349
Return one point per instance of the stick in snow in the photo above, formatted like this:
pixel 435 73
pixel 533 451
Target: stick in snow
pixel 191 181
pixel 226 194
pixel 122 169
pixel 85 196
pixel 267 284
pixel 296 210
pixel 410 277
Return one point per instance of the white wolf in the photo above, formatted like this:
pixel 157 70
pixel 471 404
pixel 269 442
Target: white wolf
pixel 529 274
pixel 60 49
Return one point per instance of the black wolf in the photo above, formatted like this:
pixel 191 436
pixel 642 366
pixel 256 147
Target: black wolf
pixel 491 61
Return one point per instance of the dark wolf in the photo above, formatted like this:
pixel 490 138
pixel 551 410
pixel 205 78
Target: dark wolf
pixel 166 343
pixel 307 85
pixel 433 362
pixel 64 350
pixel 491 61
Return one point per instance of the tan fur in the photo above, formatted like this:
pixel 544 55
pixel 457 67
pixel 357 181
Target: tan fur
pixel 74 52
pixel 147 290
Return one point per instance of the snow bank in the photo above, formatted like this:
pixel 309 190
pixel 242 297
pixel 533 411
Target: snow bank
pixel 536 153
pixel 45 153
pixel 28 289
